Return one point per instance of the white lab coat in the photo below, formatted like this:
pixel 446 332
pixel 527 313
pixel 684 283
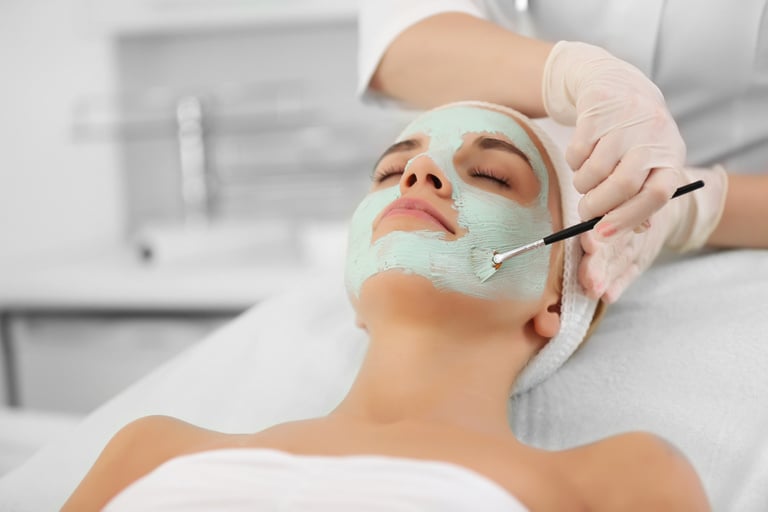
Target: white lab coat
pixel 710 59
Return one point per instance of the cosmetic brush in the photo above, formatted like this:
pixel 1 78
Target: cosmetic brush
pixel 485 265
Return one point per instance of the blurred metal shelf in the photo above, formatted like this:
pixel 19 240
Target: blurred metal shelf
pixel 238 151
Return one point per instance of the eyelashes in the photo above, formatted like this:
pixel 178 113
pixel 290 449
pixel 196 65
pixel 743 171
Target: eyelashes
pixel 488 174
pixel 501 181
pixel 386 173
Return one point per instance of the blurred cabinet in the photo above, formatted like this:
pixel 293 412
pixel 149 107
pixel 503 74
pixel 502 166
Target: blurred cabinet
pixel 78 331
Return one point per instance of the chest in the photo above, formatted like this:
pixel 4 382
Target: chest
pixel 531 475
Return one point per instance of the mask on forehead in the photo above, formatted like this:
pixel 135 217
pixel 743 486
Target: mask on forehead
pixel 492 222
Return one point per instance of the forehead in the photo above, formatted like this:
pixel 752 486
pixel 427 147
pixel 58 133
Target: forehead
pixel 447 128
pixel 450 125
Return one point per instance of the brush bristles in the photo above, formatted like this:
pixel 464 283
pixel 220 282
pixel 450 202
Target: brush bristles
pixel 483 264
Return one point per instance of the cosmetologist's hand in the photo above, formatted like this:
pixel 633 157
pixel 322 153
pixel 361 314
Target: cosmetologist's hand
pixel 625 147
pixel 611 264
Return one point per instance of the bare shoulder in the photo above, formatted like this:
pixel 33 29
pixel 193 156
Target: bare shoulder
pixel 135 450
pixel 147 442
pixel 638 471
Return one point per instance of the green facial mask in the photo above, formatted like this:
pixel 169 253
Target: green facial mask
pixel 492 222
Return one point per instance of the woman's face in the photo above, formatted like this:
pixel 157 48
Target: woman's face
pixel 458 181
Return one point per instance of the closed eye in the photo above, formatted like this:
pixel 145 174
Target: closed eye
pixel 501 181
pixel 387 173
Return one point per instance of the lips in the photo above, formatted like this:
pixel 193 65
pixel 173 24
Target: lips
pixel 418 208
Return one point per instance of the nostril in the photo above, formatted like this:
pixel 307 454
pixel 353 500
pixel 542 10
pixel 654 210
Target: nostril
pixel 436 181
pixel 411 181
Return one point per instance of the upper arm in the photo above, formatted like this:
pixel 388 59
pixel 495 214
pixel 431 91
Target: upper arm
pixel 133 451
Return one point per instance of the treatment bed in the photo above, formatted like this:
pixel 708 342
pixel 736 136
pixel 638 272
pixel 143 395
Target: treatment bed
pixel 684 354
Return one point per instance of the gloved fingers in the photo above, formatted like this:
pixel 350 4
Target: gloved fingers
pixel 620 284
pixel 592 275
pixel 590 242
pixel 604 261
pixel 597 108
pixel 597 167
pixel 582 143
pixel 623 182
pixel 643 227
pixel 655 193
pixel 592 271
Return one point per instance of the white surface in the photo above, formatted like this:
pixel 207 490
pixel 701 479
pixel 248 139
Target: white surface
pixel 114 279
pixel 683 355
pixel 248 479
pixel 54 191
pixel 23 432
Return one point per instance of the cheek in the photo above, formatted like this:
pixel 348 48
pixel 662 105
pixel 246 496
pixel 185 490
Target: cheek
pixel 498 224
pixel 360 259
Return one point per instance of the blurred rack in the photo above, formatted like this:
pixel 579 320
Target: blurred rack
pixel 256 150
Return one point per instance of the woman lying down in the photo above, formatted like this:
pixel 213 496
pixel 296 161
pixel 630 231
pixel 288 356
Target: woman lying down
pixel 424 426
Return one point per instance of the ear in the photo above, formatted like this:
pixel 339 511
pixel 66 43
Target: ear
pixel 546 322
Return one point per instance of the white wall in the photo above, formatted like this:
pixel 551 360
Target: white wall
pixel 54 192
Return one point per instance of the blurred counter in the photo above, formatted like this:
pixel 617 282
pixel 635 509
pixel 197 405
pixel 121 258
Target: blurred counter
pixel 114 279
pixel 78 327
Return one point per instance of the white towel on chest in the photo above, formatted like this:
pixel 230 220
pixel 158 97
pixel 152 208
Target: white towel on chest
pixel 259 479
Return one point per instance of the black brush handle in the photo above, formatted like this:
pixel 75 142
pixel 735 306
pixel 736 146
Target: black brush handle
pixel 589 224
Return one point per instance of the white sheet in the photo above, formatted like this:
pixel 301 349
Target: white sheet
pixel 683 355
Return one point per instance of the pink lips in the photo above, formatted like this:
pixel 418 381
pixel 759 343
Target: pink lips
pixel 417 208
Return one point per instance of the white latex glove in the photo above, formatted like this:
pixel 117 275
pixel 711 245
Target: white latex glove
pixel 610 264
pixel 625 144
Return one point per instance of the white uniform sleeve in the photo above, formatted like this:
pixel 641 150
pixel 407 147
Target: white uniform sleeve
pixel 381 21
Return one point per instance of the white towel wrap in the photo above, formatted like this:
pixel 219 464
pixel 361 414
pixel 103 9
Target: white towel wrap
pixel 265 479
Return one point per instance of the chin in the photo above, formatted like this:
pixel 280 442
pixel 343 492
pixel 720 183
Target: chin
pixel 398 284
pixel 408 294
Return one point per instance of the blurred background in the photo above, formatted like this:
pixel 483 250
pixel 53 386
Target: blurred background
pixel 164 166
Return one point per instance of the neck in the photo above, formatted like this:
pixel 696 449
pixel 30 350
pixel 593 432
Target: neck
pixel 456 373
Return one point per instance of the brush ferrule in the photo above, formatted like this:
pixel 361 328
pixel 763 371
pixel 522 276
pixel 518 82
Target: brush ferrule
pixel 501 257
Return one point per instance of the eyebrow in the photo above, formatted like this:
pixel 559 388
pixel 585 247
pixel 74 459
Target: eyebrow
pixel 491 143
pixel 399 147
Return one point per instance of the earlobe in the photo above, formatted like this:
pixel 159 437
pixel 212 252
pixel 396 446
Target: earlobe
pixel 546 323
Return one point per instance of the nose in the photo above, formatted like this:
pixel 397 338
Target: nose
pixel 422 171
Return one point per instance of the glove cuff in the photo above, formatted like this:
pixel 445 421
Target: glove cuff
pixel 703 211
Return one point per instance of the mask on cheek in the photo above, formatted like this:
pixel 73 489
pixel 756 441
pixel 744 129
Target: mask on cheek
pixel 492 222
